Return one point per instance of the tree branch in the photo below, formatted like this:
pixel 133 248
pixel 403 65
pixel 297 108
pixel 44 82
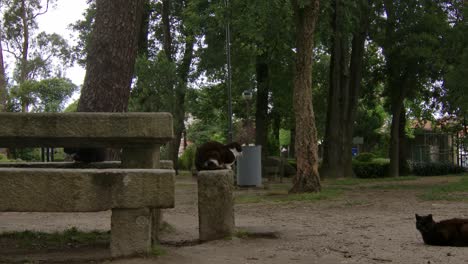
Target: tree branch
pixel 41 13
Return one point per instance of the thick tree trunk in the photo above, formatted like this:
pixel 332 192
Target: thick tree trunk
pixel 111 57
pixel 402 140
pixel 355 78
pixel 307 178
pixel 110 63
pixel 261 113
pixel 394 142
pixel 332 166
pixel 345 85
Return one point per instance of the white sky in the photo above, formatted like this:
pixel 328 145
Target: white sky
pixel 56 20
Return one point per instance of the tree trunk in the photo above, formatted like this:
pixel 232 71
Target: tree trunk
pixel 166 27
pixel 144 29
pixel 397 106
pixel 23 76
pixel 111 58
pixel 261 112
pixel 345 85
pixel 3 83
pixel 402 155
pixel 332 166
pixel 179 110
pixel 307 178
pixel 183 71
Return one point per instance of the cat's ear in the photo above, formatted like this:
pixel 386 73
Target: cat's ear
pixel 430 216
pixel 417 217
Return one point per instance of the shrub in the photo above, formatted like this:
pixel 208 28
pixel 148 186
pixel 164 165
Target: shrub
pixel 3 157
pixel 435 168
pixel 293 163
pixel 370 169
pixel 187 159
pixel 365 157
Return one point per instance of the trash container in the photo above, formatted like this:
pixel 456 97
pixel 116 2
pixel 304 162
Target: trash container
pixel 249 166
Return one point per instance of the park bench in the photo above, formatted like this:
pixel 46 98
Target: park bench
pixel 135 190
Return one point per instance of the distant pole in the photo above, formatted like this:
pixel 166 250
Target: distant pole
pixel 228 81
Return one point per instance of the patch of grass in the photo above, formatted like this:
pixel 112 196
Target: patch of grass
pixel 396 187
pixel 283 196
pixel 165 227
pixel 455 191
pixel 67 238
pixel 185 173
pixel 357 181
pixel 158 251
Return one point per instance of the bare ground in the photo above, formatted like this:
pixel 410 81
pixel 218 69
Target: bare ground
pixel 363 225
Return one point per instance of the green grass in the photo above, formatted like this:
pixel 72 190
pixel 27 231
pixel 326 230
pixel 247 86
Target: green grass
pixel 158 251
pixel 29 239
pixel 357 181
pixel 455 191
pixel 283 196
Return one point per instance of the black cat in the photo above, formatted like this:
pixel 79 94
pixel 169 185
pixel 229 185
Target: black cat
pixel 451 232
pixel 213 155
pixel 86 155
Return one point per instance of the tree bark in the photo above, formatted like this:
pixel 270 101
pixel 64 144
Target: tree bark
pixel 261 113
pixel 345 86
pixel 24 54
pixel 3 83
pixel 307 178
pixel 167 36
pixel 402 140
pixel 144 29
pixel 183 71
pixel 332 166
pixel 111 58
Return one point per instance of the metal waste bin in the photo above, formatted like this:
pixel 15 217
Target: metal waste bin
pixel 249 166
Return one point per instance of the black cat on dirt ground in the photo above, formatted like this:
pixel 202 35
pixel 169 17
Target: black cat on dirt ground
pixel 213 155
pixel 451 232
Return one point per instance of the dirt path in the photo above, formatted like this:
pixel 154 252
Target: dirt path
pixel 364 225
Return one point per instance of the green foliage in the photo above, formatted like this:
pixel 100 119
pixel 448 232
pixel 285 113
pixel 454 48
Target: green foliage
pixel 435 168
pixel 187 159
pixel 48 95
pixel 28 154
pixel 153 91
pixel 3 157
pixel 71 107
pixel 370 169
pixel 284 137
pixel 365 157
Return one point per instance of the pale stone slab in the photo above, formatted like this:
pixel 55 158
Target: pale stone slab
pixel 215 204
pixel 130 232
pixel 84 190
pixel 83 130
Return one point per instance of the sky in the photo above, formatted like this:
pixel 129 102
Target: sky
pixel 56 20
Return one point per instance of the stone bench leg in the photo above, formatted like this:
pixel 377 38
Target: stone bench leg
pixel 130 232
pixel 215 204
pixel 145 157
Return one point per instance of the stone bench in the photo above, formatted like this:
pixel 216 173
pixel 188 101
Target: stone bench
pixel 134 192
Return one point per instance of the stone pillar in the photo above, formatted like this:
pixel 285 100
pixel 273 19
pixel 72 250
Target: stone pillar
pixel 215 204
pixel 145 157
pixel 130 232
pixel 141 157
